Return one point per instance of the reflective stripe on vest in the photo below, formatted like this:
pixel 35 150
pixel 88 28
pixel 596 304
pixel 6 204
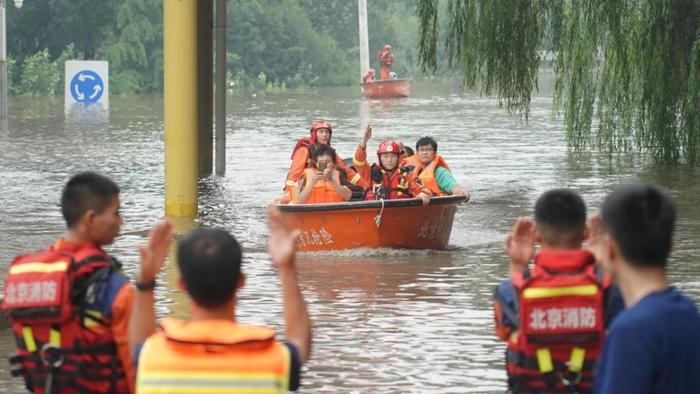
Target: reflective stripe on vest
pixel 213 357
pixel 546 292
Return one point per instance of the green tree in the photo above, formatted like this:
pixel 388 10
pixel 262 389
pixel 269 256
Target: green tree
pixel 134 48
pixel 632 65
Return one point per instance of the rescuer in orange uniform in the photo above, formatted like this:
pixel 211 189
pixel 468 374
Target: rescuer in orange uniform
pixel 386 178
pixel 322 183
pixel 211 352
pixel 386 60
pixel 553 314
pixel 432 170
pixel 303 154
pixel 70 304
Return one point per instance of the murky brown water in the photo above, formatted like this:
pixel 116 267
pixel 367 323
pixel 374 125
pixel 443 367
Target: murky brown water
pixel 385 321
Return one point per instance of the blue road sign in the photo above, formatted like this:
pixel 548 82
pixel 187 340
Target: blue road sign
pixel 86 87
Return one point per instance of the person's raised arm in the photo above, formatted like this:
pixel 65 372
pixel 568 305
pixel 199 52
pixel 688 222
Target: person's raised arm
pixel 520 244
pixel 142 322
pixel 282 247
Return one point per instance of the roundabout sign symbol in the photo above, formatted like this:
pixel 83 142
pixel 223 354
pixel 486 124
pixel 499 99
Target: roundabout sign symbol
pixel 86 86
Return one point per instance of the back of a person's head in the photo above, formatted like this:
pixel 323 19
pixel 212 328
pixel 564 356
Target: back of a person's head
pixel 210 265
pixel 641 218
pixel 86 191
pixel 560 217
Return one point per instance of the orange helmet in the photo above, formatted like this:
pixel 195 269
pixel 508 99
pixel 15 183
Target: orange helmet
pixel 320 124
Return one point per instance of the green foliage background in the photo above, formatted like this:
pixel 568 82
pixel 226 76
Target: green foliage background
pixel 630 66
pixel 272 44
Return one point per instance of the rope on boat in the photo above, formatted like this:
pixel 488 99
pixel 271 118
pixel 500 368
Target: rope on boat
pixel 378 218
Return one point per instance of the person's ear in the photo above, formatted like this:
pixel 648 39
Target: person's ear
pixel 241 282
pixel 536 235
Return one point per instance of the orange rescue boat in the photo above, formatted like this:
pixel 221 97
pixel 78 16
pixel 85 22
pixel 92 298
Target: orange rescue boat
pixel 390 88
pixel 373 224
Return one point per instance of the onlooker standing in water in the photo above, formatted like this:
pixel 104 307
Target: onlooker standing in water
pixel 553 314
pixel 70 304
pixel 654 345
pixel 211 352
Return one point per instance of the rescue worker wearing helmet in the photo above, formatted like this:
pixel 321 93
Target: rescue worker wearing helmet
pixel 387 179
pixel 323 182
pixel 386 60
pixel 304 153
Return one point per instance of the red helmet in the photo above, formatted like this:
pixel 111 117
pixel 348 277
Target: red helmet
pixel 388 147
pixel 320 124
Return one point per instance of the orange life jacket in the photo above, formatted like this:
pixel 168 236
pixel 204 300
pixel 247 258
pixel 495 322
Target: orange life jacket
pixel 322 192
pixel 214 356
pixel 425 175
pixel 560 324
pixel 59 338
pixel 388 186
pixel 411 162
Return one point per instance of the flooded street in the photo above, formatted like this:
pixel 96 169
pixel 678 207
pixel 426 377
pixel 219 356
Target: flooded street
pixel 385 321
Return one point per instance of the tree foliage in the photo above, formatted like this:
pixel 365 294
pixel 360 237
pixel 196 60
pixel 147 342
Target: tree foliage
pixel 272 44
pixel 631 65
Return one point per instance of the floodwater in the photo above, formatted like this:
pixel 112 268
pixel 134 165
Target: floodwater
pixel 385 321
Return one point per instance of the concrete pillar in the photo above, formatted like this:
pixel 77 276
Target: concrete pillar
pixel 180 106
pixel 205 79
pixel 364 40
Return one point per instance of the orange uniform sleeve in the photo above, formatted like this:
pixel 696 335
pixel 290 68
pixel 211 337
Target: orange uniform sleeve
pixel 353 177
pixel 359 160
pixel 121 310
pixel 296 169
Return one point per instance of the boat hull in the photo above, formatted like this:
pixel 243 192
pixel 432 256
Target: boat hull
pixel 403 224
pixel 390 88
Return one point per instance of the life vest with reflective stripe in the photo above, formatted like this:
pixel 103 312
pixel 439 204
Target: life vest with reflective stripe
pixel 322 192
pixel 425 175
pixel 213 356
pixel 560 324
pixel 47 296
pixel 388 185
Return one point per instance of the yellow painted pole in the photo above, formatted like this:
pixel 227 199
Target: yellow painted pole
pixel 180 106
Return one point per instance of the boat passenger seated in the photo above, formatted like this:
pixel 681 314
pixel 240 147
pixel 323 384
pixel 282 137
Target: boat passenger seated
pixel 302 157
pixel 387 180
pixel 322 183
pixel 369 76
pixel 433 172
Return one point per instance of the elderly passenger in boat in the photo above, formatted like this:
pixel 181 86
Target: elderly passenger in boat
pixel 387 179
pixel 304 151
pixel 433 172
pixel 322 183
